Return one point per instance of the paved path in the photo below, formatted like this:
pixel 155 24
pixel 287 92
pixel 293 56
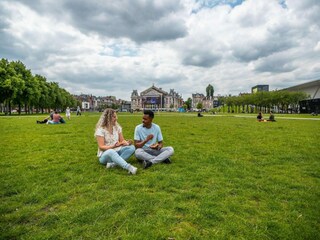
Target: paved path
pixel 293 118
pixel 173 115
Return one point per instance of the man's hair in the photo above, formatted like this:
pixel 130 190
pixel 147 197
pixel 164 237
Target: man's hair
pixel 149 112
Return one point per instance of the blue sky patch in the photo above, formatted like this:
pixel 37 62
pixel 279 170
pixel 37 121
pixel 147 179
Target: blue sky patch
pixel 283 3
pixel 120 51
pixel 213 3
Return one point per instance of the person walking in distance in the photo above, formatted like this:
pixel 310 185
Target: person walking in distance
pixel 78 110
pixel 68 113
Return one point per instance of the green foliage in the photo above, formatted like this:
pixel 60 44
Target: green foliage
pixel 188 103
pixel 19 87
pixel 230 178
pixel 199 105
pixel 185 106
pixel 267 100
pixel 114 106
pixel 209 90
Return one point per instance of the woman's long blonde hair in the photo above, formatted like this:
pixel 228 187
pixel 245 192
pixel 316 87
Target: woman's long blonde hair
pixel 105 120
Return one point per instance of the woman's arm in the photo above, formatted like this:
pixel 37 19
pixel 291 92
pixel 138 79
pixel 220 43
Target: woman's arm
pixel 102 146
pixel 121 138
pixel 122 141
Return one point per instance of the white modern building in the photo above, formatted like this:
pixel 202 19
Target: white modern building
pixel 312 104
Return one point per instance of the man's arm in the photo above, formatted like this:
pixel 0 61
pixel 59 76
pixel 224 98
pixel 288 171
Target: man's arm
pixel 140 144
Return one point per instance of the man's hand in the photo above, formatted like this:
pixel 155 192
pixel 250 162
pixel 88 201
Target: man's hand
pixel 149 137
pixel 154 146
pixel 157 146
pixel 140 144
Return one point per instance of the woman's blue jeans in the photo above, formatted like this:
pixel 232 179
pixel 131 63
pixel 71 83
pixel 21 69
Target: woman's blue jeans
pixel 118 157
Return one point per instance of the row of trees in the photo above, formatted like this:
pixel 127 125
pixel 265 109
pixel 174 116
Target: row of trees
pixel 284 101
pixel 20 89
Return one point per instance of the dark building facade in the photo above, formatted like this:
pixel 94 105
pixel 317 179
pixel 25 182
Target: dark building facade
pixel 260 88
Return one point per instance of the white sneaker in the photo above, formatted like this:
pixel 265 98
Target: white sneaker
pixel 132 170
pixel 111 165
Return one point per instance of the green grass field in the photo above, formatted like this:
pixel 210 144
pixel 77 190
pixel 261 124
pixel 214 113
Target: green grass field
pixel 231 178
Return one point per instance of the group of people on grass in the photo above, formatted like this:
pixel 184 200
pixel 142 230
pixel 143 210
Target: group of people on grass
pixel 115 150
pixel 56 118
pixel 261 119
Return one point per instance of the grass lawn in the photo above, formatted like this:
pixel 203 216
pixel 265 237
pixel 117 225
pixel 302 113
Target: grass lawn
pixel 231 178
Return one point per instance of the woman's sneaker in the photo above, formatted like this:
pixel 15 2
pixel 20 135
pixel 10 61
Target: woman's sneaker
pixel 132 169
pixel 111 165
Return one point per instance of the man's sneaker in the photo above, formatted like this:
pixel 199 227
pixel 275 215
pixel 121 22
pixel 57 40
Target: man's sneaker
pixel 147 164
pixel 140 161
pixel 167 161
pixel 111 165
pixel 132 170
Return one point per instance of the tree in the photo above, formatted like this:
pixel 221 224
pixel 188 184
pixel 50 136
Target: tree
pixel 11 84
pixel 185 107
pixel 210 91
pixel 188 103
pixel 199 105
pixel 19 87
pixel 44 93
pixel 114 106
pixel 265 101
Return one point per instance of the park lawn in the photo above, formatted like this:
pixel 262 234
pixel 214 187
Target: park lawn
pixel 231 178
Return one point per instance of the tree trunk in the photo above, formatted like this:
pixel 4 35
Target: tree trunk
pixel 9 107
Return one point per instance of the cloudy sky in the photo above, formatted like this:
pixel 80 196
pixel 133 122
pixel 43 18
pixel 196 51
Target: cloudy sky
pixel 110 47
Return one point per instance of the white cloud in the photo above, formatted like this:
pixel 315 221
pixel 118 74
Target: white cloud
pixel 317 47
pixel 111 49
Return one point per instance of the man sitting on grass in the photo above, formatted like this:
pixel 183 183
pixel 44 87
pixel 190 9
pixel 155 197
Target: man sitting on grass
pixel 271 117
pixel 148 142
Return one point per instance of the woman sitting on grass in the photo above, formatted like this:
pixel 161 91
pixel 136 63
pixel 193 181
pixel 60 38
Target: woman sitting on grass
pixel 113 149
pixel 260 117
pixel 56 118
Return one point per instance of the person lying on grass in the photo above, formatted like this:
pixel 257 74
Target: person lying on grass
pixel 113 149
pixel 149 142
pixel 56 118
pixel 50 117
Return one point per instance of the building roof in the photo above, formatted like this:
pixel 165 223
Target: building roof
pixel 154 88
pixel 315 83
